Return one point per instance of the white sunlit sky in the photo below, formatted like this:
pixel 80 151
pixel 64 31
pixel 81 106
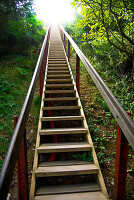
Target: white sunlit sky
pixel 54 11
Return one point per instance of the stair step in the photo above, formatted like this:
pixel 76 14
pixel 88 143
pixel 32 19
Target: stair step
pixel 62 108
pixel 58 68
pixel 96 195
pixel 63 163
pixel 64 147
pixel 59 85
pixel 62 118
pixel 56 64
pixel 59 91
pixel 62 189
pixel 58 72
pixel 59 80
pixel 63 131
pixel 59 76
pixel 56 59
pixel 61 99
pixel 66 170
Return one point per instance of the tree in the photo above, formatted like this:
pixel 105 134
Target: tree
pixel 20 28
pixel 111 19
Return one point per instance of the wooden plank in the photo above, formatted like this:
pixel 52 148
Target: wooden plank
pixel 66 170
pixel 56 64
pixel 62 118
pixel 62 108
pixel 59 91
pixel 61 99
pixel 58 68
pixel 63 163
pixel 64 147
pixel 77 196
pixel 63 189
pixel 59 85
pixel 63 131
pixel 59 80
pixel 59 76
pixel 58 72
pixel 55 59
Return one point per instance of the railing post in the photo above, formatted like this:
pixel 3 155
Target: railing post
pixel 65 42
pixel 41 77
pixel 78 73
pixel 68 50
pixel 121 159
pixel 22 169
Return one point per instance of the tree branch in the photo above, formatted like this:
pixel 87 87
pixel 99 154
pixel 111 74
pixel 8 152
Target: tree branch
pixel 119 24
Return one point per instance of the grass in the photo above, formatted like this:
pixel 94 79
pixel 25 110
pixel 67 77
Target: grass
pixel 15 77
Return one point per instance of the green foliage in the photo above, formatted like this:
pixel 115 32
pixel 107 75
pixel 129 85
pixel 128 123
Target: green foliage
pixel 84 156
pixel 15 77
pixel 21 30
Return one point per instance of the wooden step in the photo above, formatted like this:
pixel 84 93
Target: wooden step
pixel 58 131
pixel 66 170
pixel 56 59
pixel 59 91
pixel 58 72
pixel 62 189
pixel 63 163
pixel 62 118
pixel 59 76
pixel 58 68
pixel 61 99
pixel 59 85
pixel 62 108
pixel 96 195
pixel 56 64
pixel 64 147
pixel 59 80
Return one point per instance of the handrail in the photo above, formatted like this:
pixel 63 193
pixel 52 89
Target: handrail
pixel 124 121
pixel 13 150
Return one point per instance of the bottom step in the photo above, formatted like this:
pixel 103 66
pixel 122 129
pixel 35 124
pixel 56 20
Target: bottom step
pixel 62 189
pixel 73 196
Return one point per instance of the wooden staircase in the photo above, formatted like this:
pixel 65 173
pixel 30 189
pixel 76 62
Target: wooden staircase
pixel 65 162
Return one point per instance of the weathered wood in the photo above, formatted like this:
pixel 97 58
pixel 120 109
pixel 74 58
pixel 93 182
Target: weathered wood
pixel 58 80
pixel 64 147
pixel 62 108
pixel 59 91
pixel 62 189
pixel 63 131
pixel 61 99
pixel 63 163
pixel 59 76
pixel 62 118
pixel 58 72
pixel 78 196
pixel 66 170
pixel 59 85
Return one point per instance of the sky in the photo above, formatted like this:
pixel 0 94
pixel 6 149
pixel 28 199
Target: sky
pixel 54 11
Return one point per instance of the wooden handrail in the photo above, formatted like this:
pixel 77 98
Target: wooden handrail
pixel 13 150
pixel 124 121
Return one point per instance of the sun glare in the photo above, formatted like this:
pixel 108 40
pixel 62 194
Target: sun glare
pixel 54 11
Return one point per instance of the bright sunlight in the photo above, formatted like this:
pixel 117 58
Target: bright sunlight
pixel 54 11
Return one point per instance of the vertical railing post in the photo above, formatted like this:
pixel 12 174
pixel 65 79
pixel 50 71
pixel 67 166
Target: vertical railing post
pixel 22 169
pixel 78 73
pixel 68 50
pixel 121 159
pixel 65 42
pixel 41 77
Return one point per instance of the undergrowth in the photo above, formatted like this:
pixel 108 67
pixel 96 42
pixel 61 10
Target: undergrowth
pixel 15 77
pixel 101 122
